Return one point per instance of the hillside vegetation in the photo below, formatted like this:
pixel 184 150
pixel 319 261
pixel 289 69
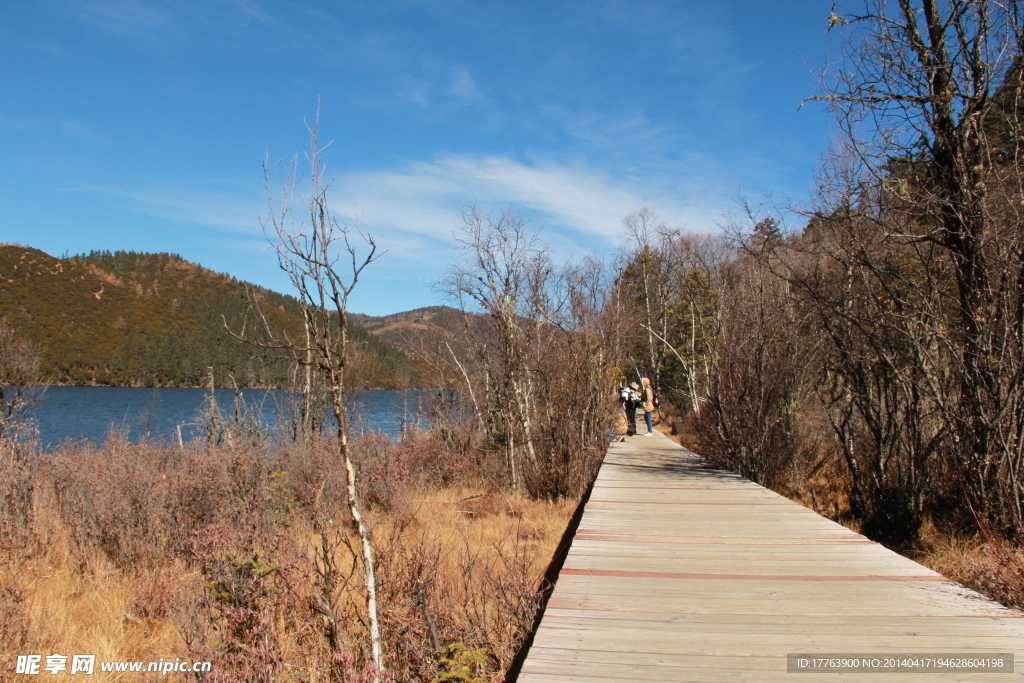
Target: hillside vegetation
pixel 427 334
pixel 137 319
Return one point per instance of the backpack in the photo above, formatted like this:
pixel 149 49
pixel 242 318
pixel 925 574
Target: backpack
pixel 655 399
pixel 629 397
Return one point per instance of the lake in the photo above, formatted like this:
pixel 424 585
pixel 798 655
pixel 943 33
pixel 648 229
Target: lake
pixel 90 413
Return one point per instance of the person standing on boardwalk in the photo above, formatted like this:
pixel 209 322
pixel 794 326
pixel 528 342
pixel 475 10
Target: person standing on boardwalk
pixel 630 398
pixel 648 401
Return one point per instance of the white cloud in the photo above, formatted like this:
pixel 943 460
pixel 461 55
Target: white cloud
pixel 425 198
pixel 412 211
pixel 429 88
pixel 463 87
pixel 207 208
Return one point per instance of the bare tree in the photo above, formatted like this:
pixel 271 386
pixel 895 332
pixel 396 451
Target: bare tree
pixel 542 367
pixel 695 272
pixel 579 371
pixel 645 274
pixel 504 275
pixel 927 96
pixel 324 265
pixel 19 377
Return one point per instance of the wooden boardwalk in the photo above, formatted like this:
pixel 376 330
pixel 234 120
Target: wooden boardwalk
pixel 679 572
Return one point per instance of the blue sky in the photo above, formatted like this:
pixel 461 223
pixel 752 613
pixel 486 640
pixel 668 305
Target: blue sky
pixel 143 125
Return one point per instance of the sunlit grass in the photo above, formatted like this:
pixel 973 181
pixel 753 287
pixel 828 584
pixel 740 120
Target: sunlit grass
pixel 466 559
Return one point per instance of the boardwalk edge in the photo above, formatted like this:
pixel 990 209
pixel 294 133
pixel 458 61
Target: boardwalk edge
pixel 551 575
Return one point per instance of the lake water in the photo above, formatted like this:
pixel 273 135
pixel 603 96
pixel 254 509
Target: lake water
pixel 92 412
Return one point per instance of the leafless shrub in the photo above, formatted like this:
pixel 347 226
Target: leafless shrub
pixel 540 377
pixel 923 204
pixel 14 622
pixel 20 378
pixel 249 553
pixel 19 485
pixel 240 426
pixel 243 599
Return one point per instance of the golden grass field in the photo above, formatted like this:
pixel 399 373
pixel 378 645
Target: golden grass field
pixel 238 564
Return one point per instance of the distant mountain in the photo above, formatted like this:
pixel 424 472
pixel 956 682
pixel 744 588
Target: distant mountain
pixel 412 329
pixel 427 334
pixel 136 319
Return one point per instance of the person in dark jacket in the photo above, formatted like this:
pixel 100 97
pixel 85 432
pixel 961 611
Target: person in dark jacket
pixel 631 400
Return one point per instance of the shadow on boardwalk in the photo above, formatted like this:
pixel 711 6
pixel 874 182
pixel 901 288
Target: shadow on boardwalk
pixel 680 571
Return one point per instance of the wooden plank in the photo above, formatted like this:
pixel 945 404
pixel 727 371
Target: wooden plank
pixel 680 572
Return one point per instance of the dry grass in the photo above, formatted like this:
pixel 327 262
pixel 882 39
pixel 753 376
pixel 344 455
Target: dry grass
pixel 994 568
pixel 486 551
pixel 248 561
pixel 65 611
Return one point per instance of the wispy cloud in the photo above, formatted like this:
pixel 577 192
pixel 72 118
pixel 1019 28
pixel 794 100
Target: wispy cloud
pixel 220 210
pixel 21 124
pixel 414 209
pixel 445 88
pixel 164 24
pixel 584 204
pixel 126 17
pixel 463 87
pixel 79 130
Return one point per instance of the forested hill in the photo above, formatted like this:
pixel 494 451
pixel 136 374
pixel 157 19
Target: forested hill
pixel 429 331
pixel 135 319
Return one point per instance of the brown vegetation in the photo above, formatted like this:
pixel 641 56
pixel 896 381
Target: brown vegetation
pixel 870 364
pixel 136 552
pixel 545 362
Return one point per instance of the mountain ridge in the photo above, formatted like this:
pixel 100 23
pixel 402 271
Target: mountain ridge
pixel 428 332
pixel 154 319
